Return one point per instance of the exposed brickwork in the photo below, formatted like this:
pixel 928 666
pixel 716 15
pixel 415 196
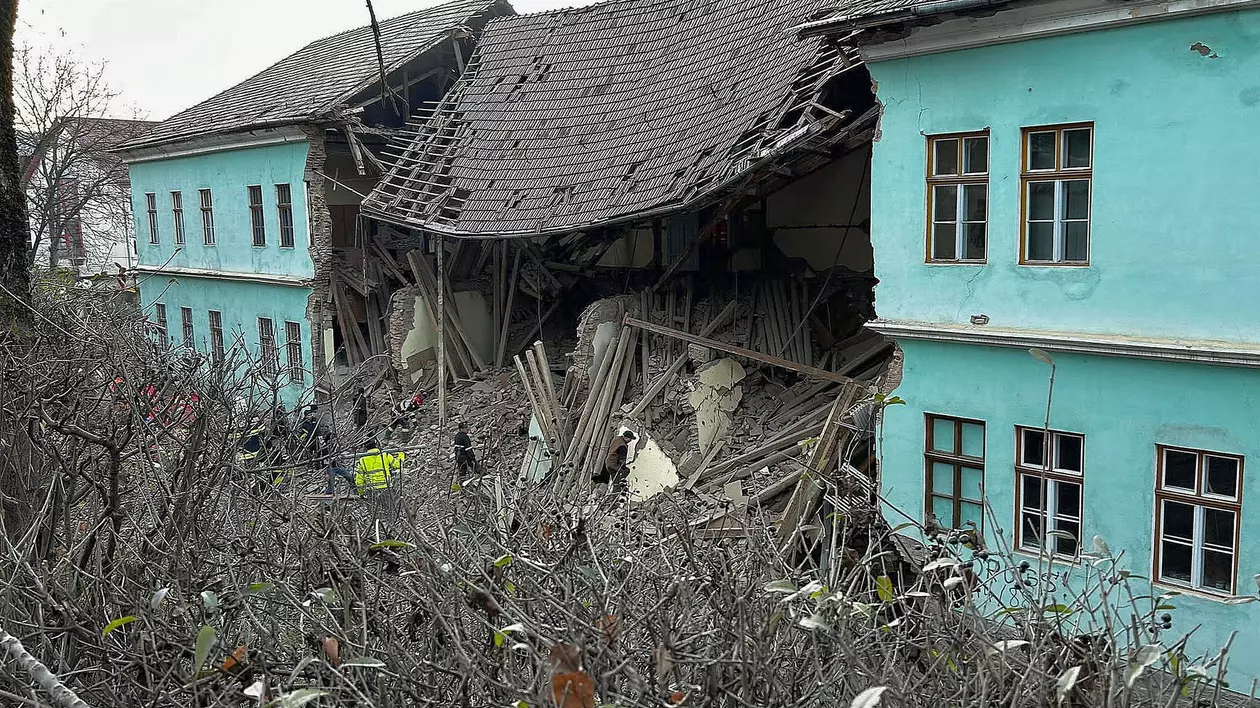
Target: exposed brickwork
pixel 318 309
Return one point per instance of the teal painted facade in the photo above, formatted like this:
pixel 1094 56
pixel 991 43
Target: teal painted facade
pixel 1124 408
pixel 232 257
pixel 227 174
pixel 1174 179
pixel 1173 255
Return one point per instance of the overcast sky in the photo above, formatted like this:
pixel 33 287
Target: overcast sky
pixel 166 55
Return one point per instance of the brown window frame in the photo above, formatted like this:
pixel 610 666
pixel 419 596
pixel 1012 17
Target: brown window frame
pixel 186 328
pixel 159 311
pixel 284 213
pixel 1058 176
pixel 257 220
pixel 1199 500
pixel 293 351
pixel 957 460
pixel 960 180
pixel 150 204
pixel 206 198
pixel 217 351
pixel 177 216
pixel 1054 476
pixel 267 350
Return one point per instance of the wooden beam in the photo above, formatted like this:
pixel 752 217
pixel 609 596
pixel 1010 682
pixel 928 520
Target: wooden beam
pixel 441 333
pixel 651 392
pixel 737 351
pixel 507 310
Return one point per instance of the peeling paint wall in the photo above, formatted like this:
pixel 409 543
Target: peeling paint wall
pixel 420 333
pixel 650 471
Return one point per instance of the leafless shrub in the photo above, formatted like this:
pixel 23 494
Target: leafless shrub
pixel 197 581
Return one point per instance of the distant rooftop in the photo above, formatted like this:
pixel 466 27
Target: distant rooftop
pixel 315 81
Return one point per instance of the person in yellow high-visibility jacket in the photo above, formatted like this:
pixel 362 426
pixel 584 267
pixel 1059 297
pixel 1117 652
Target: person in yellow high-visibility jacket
pixel 375 468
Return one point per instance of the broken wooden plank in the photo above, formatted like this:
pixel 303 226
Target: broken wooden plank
pixel 659 385
pixel 736 350
pixel 811 486
pixel 507 310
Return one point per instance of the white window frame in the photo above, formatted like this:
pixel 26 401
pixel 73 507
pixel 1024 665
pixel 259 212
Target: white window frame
pixel 1050 477
pixel 150 203
pixel 177 215
pixel 960 182
pixel 1058 176
pixel 206 198
pixel 1201 501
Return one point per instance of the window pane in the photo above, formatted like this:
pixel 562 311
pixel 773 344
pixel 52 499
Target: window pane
pixel 972 484
pixel 975 202
pixel 1040 241
pixel 946 162
pixel 1174 561
pixel 1178 521
pixel 1076 148
pixel 1041 201
pixel 1076 241
pixel 942 478
pixel 1221 476
pixel 1067 546
pixel 1033 440
pixel 1032 492
pixel 976 155
pixel 942 434
pixel 1041 151
pixel 976 243
pixel 1067 499
pixel 1069 453
pixel 945 203
pixel 1179 469
pixel 945 241
pixel 1218 527
pixel 973 513
pixel 973 440
pixel 1030 532
pixel 1076 199
pixel 1218 571
pixel 944 510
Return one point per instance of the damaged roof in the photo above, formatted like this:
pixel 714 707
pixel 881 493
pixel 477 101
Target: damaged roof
pixel 586 117
pixel 850 14
pixel 313 82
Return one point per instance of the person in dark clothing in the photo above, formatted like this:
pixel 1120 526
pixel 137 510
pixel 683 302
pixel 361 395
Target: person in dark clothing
pixel 360 408
pixel 614 470
pixel 314 437
pixel 465 458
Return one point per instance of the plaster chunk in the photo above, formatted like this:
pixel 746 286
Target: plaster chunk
pixel 651 471
pixel 716 395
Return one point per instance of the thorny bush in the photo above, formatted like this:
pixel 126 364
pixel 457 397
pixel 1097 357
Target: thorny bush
pixel 192 581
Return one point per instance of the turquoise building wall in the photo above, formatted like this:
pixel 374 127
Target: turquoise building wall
pixel 1173 248
pixel 1124 408
pixel 227 174
pixel 1173 254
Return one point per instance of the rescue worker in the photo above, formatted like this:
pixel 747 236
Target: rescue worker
pixel 402 416
pixel 614 471
pixel 375 469
pixel 314 439
pixel 465 458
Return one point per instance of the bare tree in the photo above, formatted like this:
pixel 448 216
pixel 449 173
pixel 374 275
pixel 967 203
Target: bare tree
pixel 77 191
pixel 14 233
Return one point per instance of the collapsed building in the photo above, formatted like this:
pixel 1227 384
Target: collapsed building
pixel 658 214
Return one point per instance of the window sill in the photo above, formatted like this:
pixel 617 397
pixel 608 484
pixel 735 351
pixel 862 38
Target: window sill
pixel 956 263
pixel 1053 559
pixel 1194 592
pixel 1047 264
